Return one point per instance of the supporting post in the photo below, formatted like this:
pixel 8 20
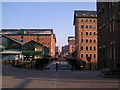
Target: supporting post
pixel 31 64
pixel 56 66
pixel 5 62
pixel 9 61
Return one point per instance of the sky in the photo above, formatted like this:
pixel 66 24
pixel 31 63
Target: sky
pixel 58 16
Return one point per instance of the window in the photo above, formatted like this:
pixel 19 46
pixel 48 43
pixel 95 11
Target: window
pixel 82 40
pixel 99 14
pixel 86 40
pixel 86 33
pixel 86 48
pixel 109 4
pixel 111 26
pixel 94 33
pixel 86 55
pixel 104 51
pixel 81 33
pixel 81 47
pixel 90 40
pixel 37 39
pixel 48 39
pixel 21 37
pixel 81 55
pixel 103 29
pixel 81 20
pixel 86 20
pixel 94 48
pixel 82 26
pixel 90 33
pixel 100 52
pixel 94 20
pixel 94 27
pixel 90 20
pixel 94 41
pixel 86 26
pixel 103 10
pixel 90 26
pixel 90 55
pixel 90 48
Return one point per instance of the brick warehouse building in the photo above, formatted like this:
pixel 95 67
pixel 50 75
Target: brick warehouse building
pixel 64 51
pixel 45 37
pixel 85 23
pixel 71 44
pixel 57 51
pixel 108 34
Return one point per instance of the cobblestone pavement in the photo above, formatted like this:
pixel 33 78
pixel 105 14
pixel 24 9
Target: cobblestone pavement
pixel 26 78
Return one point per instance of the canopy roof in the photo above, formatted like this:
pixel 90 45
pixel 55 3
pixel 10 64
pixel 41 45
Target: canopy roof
pixel 11 51
pixel 32 53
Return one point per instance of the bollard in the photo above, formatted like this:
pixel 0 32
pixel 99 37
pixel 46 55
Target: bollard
pixel 17 62
pixel 56 66
pixel 90 65
pixel 31 64
pixel 41 67
pixel 13 63
pixel 72 68
pixel 37 64
pixel 9 61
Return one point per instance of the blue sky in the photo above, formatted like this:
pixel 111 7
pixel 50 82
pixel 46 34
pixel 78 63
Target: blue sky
pixel 50 15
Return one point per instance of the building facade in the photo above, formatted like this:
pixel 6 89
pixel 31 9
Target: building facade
pixel 45 37
pixel 12 48
pixel 85 23
pixel 108 34
pixel 33 50
pixel 17 50
pixel 71 44
pixel 64 51
pixel 57 51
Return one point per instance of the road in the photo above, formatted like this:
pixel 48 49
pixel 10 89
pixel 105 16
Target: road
pixel 62 65
pixel 26 78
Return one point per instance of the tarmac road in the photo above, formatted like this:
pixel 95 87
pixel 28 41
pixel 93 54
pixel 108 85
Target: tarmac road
pixel 25 78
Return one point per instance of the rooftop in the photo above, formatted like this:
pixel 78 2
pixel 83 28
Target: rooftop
pixel 27 31
pixel 80 13
pixel 84 14
pixel 71 38
pixel 17 41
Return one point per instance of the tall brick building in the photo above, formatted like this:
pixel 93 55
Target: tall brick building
pixel 108 34
pixel 65 50
pixel 45 37
pixel 57 51
pixel 71 44
pixel 85 23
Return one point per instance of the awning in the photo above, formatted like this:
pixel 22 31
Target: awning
pixel 10 52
